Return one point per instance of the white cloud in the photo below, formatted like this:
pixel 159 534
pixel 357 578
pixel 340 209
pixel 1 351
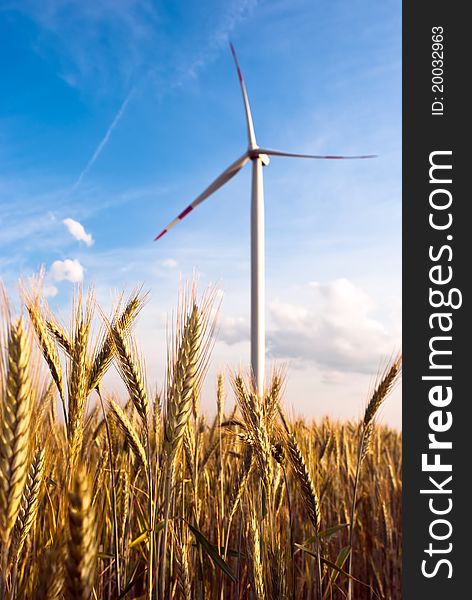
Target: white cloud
pixel 69 270
pixel 233 330
pixel 77 231
pixel 338 331
pixel 49 290
pixel 169 263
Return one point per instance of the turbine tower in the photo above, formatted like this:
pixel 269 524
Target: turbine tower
pixel 259 158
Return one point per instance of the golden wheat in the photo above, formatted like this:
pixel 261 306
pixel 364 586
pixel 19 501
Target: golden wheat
pixel 80 564
pixel 14 428
pixel 141 498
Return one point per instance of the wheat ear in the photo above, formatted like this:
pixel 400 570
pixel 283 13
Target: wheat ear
pixel 78 391
pixel 179 405
pixel 104 355
pixel 256 430
pixel 130 432
pixel 81 542
pixel 184 583
pixel 14 428
pixel 380 393
pixel 220 399
pixel 51 576
pixel 309 494
pixel 58 332
pixel 29 504
pixel 49 350
pixel 132 374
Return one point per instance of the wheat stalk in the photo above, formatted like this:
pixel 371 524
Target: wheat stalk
pixel 189 361
pixel 385 385
pixel 256 558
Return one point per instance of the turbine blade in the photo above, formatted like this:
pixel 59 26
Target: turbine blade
pixel 215 185
pixel 250 125
pixel 270 152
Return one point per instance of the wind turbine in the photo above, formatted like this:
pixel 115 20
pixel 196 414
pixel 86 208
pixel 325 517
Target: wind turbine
pixel 259 158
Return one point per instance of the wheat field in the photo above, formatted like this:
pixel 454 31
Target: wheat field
pixel 143 497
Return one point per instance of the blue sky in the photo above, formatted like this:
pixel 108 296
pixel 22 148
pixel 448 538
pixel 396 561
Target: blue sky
pixel 114 115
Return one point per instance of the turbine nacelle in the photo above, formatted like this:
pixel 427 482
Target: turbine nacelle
pixel 254 153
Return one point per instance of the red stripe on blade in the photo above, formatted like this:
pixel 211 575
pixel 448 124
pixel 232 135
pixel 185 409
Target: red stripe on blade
pixel 233 52
pixel 185 212
pixel 160 235
pixel 348 157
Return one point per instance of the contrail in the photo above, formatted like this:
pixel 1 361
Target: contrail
pixel 104 141
pixel 221 36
